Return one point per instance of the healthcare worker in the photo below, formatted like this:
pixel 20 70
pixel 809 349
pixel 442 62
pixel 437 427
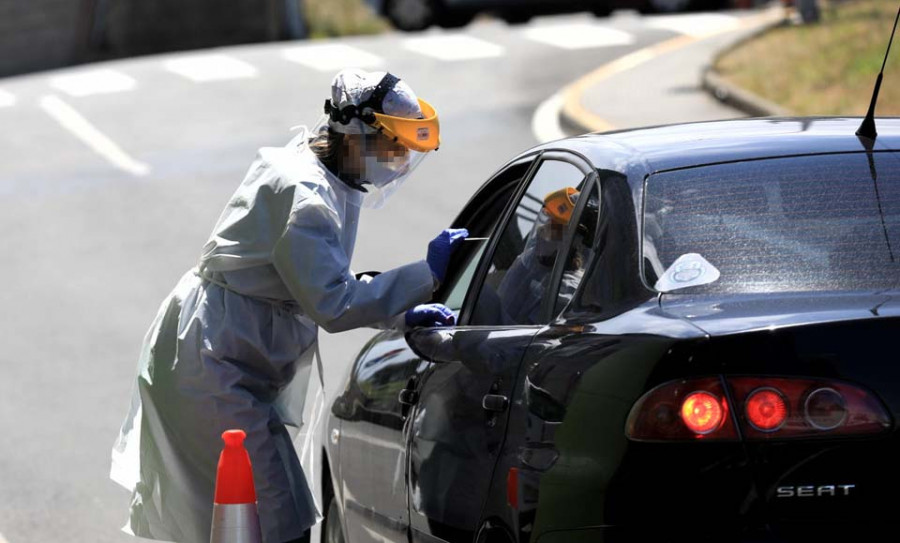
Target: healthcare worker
pixel 237 335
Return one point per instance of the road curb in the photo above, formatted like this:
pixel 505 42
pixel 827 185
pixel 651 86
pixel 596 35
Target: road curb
pixel 575 117
pixel 734 95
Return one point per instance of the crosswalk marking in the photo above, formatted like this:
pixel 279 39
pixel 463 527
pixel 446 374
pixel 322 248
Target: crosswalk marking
pixel 210 67
pixel 81 128
pixel 699 25
pixel 453 47
pixel 331 57
pixel 7 99
pixel 579 36
pixel 98 81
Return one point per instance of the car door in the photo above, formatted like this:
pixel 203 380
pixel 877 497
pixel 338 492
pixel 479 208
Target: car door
pixel 543 458
pixel 458 425
pixel 369 415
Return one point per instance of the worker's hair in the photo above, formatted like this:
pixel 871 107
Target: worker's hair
pixel 328 144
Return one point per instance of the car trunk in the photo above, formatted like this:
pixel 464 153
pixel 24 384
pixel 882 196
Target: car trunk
pixel 818 484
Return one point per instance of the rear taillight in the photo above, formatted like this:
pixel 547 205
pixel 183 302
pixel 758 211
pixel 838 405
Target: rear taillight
pixel 703 413
pixel 683 410
pixel 766 410
pixel 763 409
pixel 814 408
pixel 825 409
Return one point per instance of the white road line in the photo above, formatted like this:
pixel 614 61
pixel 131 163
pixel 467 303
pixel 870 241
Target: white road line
pixel 699 25
pixel 453 47
pixel 7 99
pixel 331 57
pixel 99 81
pixel 210 67
pixel 3 539
pixel 579 36
pixel 81 128
pixel 545 122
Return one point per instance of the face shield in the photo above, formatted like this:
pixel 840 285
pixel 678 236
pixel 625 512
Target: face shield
pixel 387 132
pixel 372 164
pixel 545 239
pixel 381 166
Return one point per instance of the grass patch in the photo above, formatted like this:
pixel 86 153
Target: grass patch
pixel 334 18
pixel 823 69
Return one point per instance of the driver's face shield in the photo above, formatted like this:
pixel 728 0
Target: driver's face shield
pixel 548 236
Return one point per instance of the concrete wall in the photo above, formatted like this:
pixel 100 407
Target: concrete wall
pixel 147 26
pixel 38 34
pixel 44 34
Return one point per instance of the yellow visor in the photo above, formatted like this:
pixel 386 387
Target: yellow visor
pixel 421 135
pixel 560 204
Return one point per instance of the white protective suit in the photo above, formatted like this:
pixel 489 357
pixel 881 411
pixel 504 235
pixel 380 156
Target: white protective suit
pixel 230 338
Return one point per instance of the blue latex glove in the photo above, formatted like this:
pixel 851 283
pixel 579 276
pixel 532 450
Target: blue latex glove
pixel 441 247
pixel 430 315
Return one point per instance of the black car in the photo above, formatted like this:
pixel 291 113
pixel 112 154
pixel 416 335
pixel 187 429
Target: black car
pixel 669 334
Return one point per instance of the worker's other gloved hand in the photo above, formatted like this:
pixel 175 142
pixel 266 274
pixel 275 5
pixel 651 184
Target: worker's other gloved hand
pixel 430 315
pixel 441 247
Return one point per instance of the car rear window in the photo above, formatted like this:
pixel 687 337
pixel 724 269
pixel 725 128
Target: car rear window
pixel 826 222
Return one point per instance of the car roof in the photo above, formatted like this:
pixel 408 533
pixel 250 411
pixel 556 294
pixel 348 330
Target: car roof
pixel 687 145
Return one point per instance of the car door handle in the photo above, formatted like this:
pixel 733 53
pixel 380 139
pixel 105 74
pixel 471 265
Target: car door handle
pixel 408 397
pixel 495 403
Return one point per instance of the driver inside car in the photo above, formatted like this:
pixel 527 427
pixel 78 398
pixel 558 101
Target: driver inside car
pixel 524 284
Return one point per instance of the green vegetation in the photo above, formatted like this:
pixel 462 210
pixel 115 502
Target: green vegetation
pixel 827 68
pixel 331 18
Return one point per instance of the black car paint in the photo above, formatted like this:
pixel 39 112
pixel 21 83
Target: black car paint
pixel 454 440
pixel 571 385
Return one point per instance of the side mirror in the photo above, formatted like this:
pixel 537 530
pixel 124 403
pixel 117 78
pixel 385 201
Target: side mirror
pixel 432 344
pixel 474 349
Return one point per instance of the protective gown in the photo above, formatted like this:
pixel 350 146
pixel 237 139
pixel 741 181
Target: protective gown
pixel 226 345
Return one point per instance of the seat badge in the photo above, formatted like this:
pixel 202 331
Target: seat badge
pixel 811 491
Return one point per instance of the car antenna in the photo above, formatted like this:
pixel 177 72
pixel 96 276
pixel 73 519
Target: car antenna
pixel 867 127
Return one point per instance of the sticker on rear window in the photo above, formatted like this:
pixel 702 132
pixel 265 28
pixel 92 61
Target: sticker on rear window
pixel 689 270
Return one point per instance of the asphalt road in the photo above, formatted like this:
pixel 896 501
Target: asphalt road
pixel 112 176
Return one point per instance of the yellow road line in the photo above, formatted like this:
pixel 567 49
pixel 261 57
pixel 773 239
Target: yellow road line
pixel 573 106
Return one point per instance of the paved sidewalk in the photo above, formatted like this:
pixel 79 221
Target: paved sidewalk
pixel 663 83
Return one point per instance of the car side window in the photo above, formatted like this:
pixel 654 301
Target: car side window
pixel 481 226
pixel 457 294
pixel 521 265
pixel 581 252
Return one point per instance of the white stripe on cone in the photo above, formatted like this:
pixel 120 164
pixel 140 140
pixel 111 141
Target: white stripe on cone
pixel 235 523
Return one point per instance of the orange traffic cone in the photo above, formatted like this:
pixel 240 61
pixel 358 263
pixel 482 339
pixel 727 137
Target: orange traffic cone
pixel 235 519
